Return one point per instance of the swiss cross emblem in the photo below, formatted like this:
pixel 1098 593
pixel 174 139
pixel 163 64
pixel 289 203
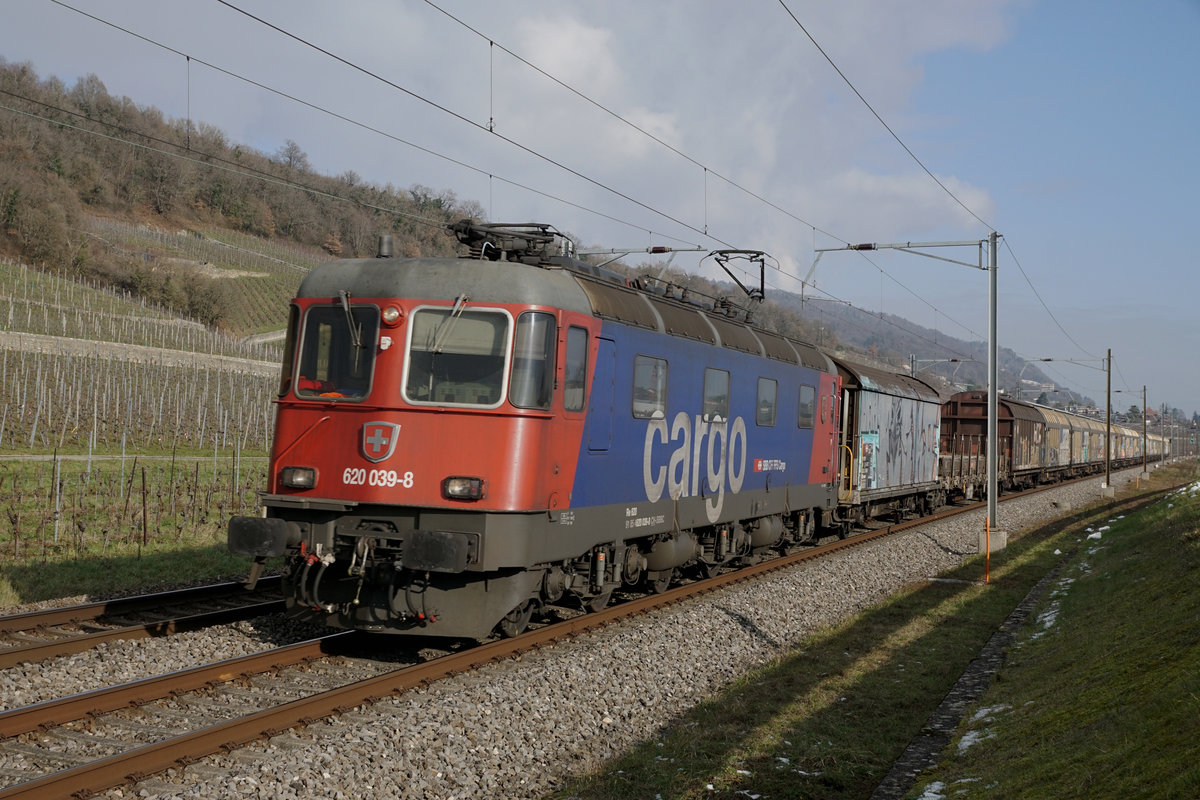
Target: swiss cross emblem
pixel 379 440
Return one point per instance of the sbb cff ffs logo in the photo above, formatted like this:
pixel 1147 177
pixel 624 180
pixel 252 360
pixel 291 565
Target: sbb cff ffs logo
pixel 379 441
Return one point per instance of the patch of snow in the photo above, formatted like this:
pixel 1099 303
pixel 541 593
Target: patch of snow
pixel 972 738
pixel 987 712
pixel 1047 619
pixel 933 791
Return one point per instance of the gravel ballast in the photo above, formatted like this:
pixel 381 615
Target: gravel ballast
pixel 520 728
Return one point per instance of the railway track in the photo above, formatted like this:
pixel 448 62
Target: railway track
pixel 131 765
pixel 39 635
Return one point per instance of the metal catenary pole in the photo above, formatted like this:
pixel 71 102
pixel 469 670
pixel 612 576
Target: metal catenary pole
pixel 1108 421
pixel 991 241
pixel 993 439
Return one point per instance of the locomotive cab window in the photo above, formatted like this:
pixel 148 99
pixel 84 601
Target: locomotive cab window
pixel 768 391
pixel 649 387
pixel 456 356
pixel 531 384
pixel 289 350
pixel 337 352
pixel 716 395
pixel 576 371
pixel 808 407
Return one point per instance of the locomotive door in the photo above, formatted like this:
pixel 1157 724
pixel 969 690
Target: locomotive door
pixel 601 403
pixel 848 448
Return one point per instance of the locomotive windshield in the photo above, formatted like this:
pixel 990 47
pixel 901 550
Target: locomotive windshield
pixel 337 352
pixel 456 356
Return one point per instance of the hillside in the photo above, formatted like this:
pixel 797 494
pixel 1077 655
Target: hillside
pixel 94 187
pixel 72 156
pixel 894 340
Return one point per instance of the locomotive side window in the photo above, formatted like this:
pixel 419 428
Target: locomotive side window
pixel 716 395
pixel 649 387
pixel 456 357
pixel 531 384
pixel 576 377
pixel 337 352
pixel 289 351
pixel 768 391
pixel 808 406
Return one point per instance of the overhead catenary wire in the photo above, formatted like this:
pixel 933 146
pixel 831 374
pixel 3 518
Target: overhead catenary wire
pixel 206 160
pixel 706 168
pixel 468 121
pixel 704 230
pixel 223 164
pixel 887 127
pixel 1036 294
pixel 363 126
pixel 460 163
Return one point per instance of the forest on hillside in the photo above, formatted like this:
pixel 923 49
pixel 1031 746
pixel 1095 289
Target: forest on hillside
pixel 69 153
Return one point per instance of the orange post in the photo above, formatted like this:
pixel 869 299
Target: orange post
pixel 987 559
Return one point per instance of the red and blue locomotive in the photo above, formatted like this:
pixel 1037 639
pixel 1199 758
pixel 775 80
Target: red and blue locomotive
pixel 460 441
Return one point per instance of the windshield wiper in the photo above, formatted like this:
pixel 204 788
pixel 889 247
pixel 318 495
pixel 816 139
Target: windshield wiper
pixel 355 331
pixel 443 330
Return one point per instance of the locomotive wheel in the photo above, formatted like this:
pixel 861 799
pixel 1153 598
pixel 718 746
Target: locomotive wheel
pixel 517 620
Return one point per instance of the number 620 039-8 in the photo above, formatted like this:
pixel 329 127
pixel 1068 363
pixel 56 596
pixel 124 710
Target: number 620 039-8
pixel 359 476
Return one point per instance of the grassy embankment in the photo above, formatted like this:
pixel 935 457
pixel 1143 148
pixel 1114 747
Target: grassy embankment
pixel 1100 698
pixel 1111 682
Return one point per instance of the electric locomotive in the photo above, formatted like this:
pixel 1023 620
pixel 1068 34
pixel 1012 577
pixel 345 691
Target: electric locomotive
pixel 460 441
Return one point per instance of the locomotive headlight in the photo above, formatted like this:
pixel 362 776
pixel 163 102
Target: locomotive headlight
pixel 392 315
pixel 460 488
pixel 298 477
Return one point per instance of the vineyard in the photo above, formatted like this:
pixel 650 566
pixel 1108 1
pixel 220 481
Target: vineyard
pixel 53 306
pixel 107 401
pixel 262 274
pixel 123 427
pixel 78 507
pixel 95 404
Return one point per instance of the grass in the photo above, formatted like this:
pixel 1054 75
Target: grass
pixel 125 569
pixel 95 531
pixel 1102 697
pixel 828 720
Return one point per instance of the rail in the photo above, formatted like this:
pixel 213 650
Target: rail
pixel 151 759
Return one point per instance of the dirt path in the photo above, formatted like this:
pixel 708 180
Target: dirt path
pixel 141 354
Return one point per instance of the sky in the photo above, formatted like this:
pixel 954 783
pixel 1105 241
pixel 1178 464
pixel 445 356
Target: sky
pixel 1070 127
